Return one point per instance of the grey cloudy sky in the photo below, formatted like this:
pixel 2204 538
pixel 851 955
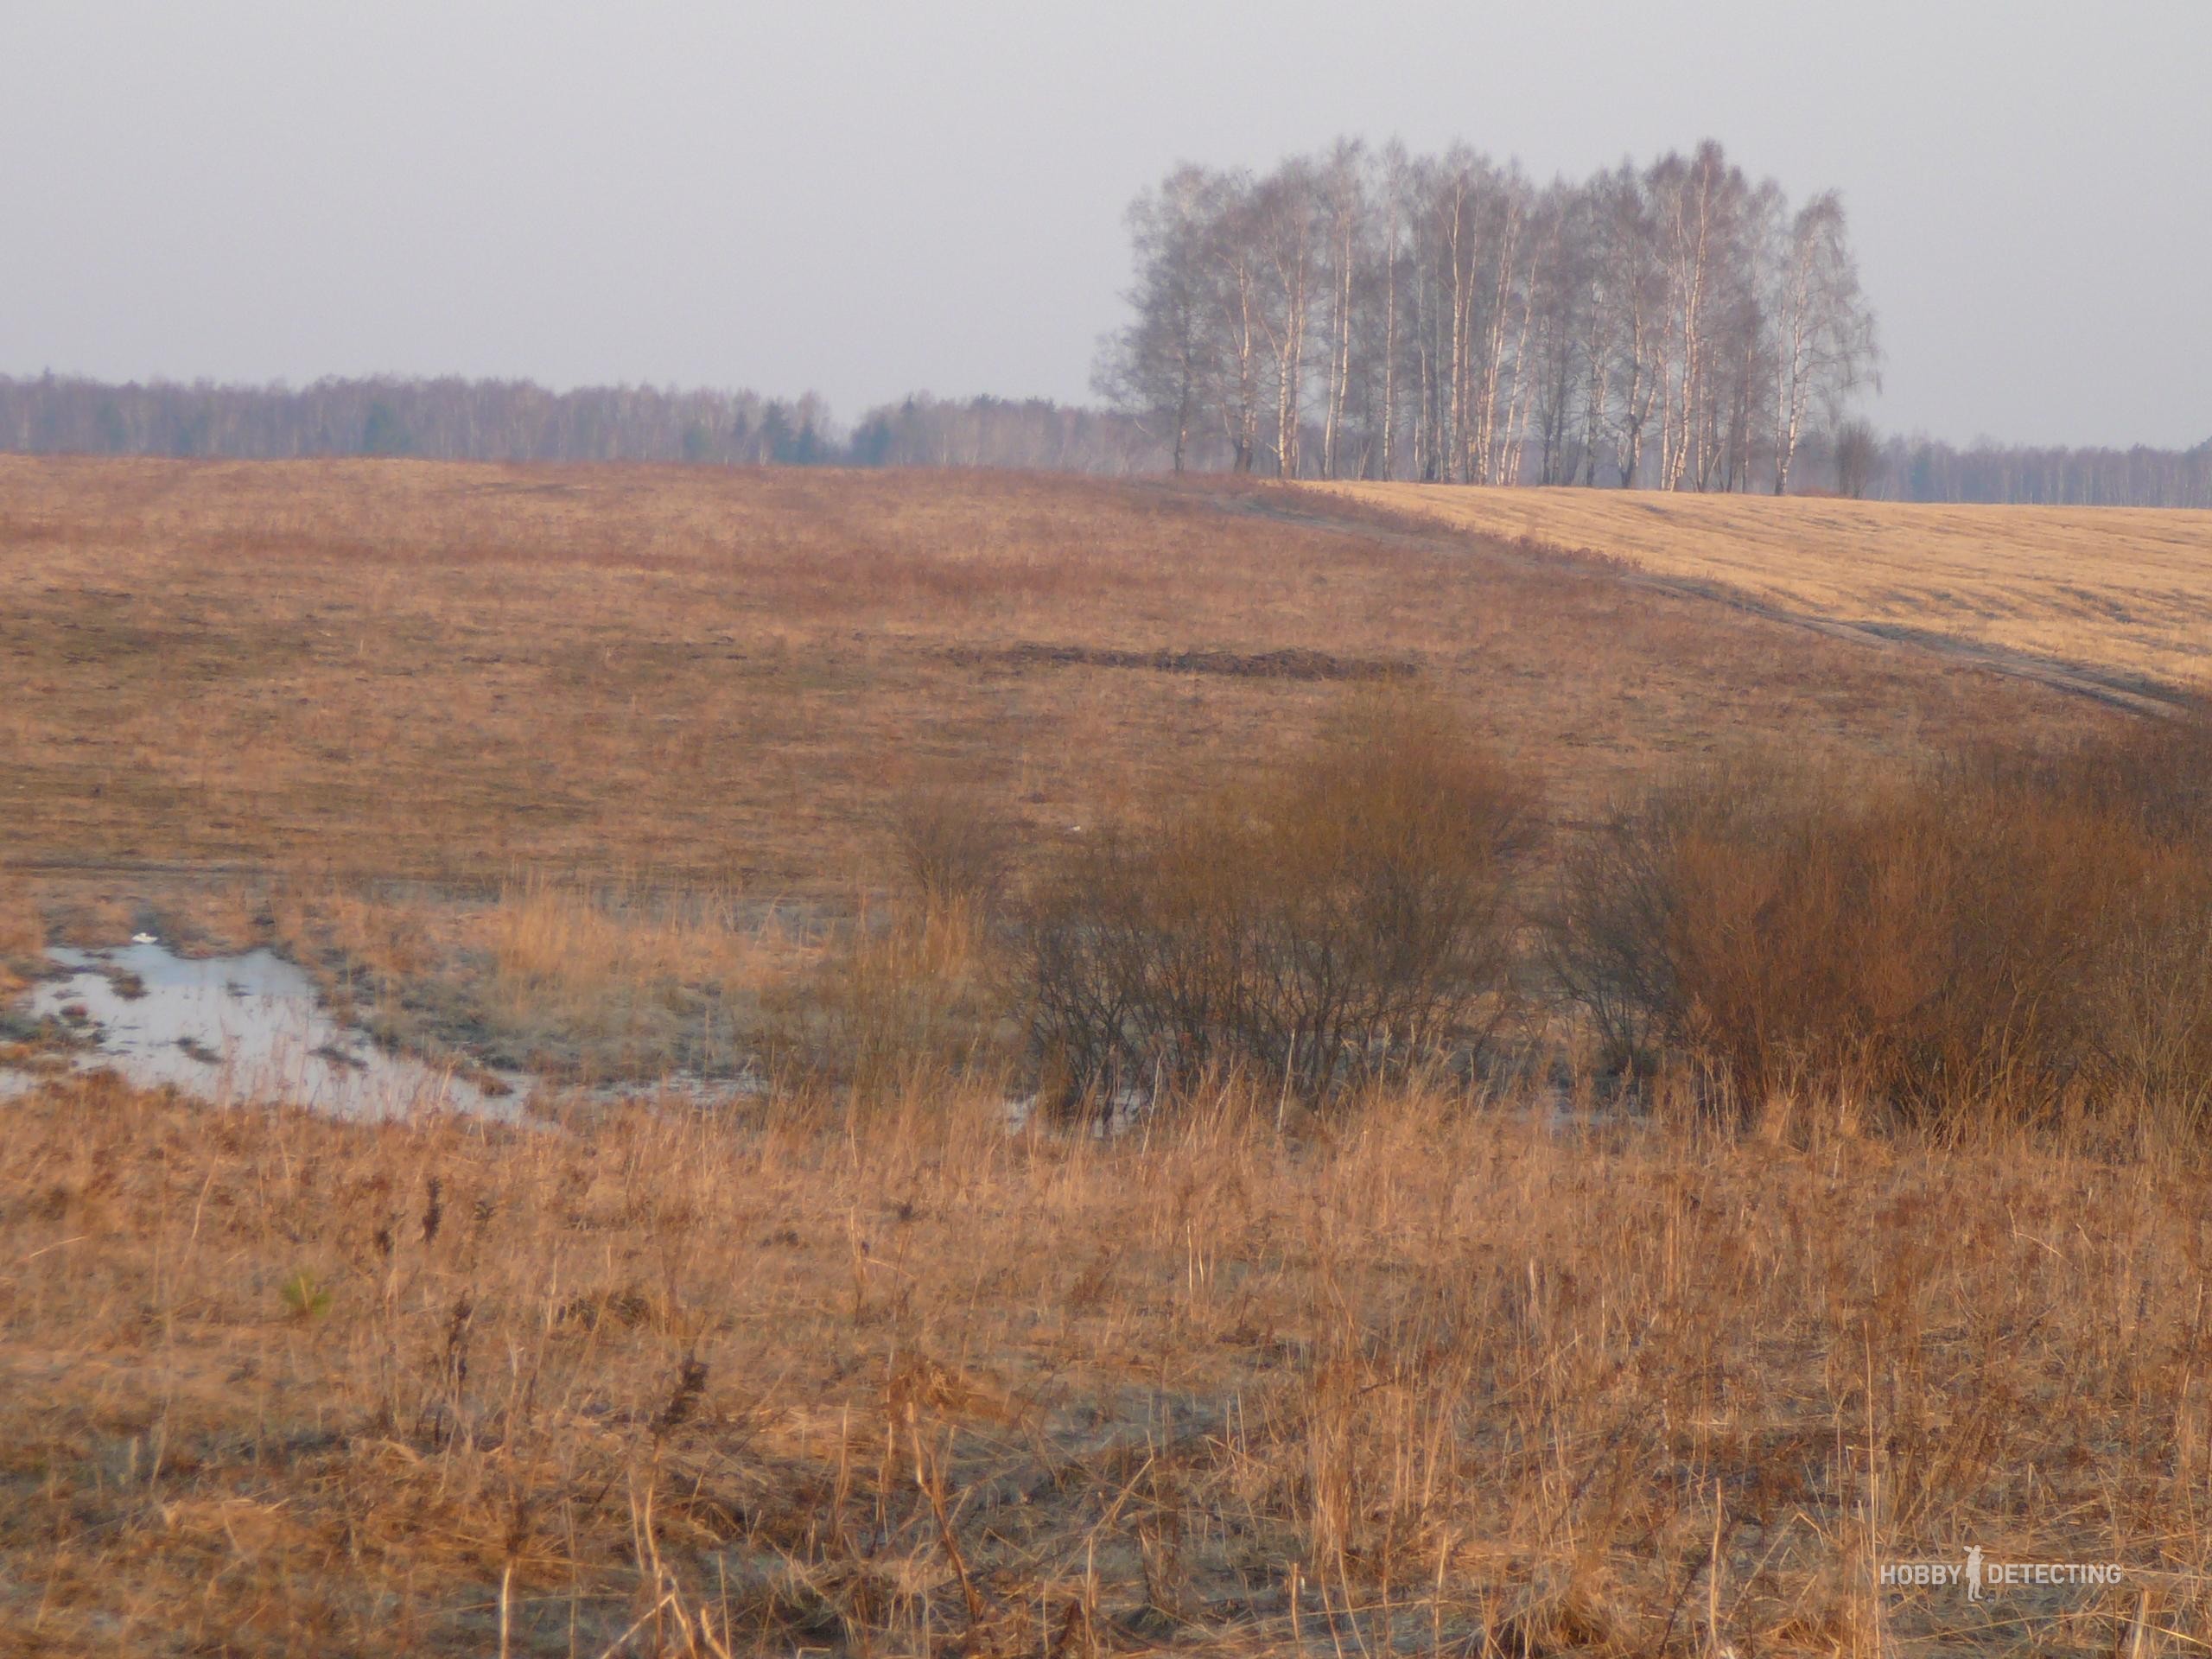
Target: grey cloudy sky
pixel 867 198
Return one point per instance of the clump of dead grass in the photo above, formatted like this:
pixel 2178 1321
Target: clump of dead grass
pixel 22 936
pixel 638 978
pixel 614 979
pixel 577 946
pixel 908 997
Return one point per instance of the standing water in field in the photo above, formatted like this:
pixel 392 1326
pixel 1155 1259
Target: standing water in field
pixel 238 1029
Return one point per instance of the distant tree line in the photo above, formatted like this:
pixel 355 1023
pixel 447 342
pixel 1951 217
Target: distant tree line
pixel 1357 313
pixel 1923 469
pixel 454 419
pixel 448 418
pixel 1033 432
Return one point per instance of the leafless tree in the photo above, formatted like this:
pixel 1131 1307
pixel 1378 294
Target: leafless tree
pixel 1443 317
pixel 1164 363
pixel 1825 344
pixel 1857 450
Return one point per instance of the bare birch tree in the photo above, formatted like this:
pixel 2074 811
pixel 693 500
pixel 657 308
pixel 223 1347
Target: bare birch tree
pixel 1442 318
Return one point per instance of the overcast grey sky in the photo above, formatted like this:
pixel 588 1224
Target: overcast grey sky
pixel 867 198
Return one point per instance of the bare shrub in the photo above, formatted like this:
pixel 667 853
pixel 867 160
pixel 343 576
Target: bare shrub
pixel 951 845
pixel 1729 914
pixel 1341 918
pixel 1858 455
pixel 2025 935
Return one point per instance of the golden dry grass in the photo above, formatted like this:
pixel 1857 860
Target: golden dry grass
pixel 1433 1381
pixel 608 770
pixel 2127 588
pixel 22 936
pixel 466 671
pixel 342 706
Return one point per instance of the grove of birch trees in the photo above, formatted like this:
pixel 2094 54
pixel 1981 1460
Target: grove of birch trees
pixel 1375 314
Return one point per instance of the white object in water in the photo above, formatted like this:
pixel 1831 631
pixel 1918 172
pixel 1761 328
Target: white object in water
pixel 143 939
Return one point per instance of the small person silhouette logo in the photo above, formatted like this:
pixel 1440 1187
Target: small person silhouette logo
pixel 1973 1574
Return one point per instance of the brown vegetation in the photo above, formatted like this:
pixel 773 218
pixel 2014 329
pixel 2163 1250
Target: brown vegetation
pixel 401 668
pixel 1440 1381
pixel 1346 919
pixel 2127 590
pixel 1356 1343
pixel 359 710
pixel 1997 935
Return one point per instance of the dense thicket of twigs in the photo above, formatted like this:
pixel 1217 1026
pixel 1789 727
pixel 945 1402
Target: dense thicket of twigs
pixel 2012 936
pixel 1345 920
pixel 2017 935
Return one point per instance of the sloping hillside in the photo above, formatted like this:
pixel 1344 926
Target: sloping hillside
pixel 2115 588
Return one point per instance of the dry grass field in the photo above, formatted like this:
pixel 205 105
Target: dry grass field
pixel 1429 1383
pixel 636 771
pixel 452 671
pixel 552 765
pixel 2125 590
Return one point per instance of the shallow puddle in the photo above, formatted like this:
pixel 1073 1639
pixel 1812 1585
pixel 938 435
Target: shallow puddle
pixel 238 1029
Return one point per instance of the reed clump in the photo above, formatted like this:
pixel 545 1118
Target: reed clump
pixel 22 937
